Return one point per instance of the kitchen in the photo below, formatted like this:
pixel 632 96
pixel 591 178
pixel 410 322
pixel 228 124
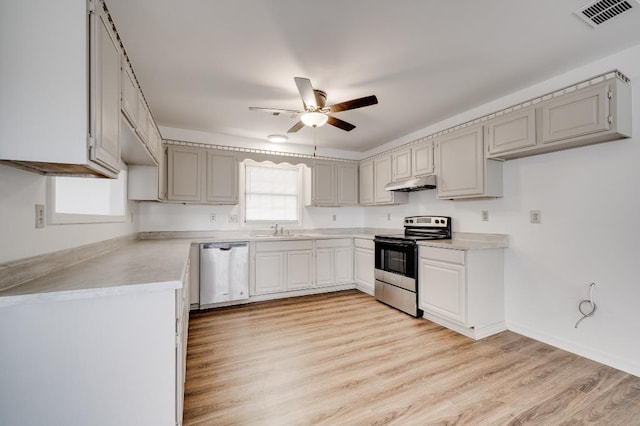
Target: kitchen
pixel 548 266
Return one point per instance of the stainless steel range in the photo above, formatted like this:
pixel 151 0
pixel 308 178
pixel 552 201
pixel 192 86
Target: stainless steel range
pixel 396 261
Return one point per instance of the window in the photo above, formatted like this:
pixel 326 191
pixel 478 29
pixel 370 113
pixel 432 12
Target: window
pixel 272 193
pixel 87 200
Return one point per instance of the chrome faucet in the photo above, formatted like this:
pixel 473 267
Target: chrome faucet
pixel 275 228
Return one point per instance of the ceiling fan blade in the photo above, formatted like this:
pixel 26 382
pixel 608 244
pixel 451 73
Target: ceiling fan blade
pixel 306 93
pixel 354 103
pixel 276 111
pixel 299 125
pixel 341 124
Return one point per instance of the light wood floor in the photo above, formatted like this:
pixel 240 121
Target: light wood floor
pixel 344 359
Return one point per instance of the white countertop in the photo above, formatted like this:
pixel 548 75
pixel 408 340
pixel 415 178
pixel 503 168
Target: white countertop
pixel 156 264
pixel 139 266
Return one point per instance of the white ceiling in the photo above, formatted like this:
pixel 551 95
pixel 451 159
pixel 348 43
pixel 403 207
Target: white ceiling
pixel 202 63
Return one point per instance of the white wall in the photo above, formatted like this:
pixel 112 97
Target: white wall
pixel 590 204
pixel 180 217
pixel 20 191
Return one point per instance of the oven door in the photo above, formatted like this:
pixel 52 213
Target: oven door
pixel 396 256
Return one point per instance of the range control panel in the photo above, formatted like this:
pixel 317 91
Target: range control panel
pixel 426 221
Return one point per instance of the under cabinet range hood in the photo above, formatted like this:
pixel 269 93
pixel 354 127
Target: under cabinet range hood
pixel 412 184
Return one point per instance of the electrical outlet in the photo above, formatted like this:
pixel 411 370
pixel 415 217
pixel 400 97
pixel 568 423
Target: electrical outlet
pixel 388 216
pixel 334 217
pixel 534 215
pixel 485 216
pixel 39 215
pixel 212 217
pixel 233 218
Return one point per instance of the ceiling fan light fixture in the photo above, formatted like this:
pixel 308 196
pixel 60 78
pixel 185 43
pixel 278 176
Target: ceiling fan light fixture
pixel 314 119
pixel 277 138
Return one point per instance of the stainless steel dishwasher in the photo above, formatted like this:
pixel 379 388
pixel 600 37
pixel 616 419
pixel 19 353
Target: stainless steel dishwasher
pixel 224 272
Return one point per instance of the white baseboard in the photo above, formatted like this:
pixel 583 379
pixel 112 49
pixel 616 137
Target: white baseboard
pixel 626 365
pixel 475 333
pixel 365 289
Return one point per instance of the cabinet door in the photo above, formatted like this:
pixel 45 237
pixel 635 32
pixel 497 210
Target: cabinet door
pixel 364 264
pixel 511 132
pixel 422 156
pixel 401 164
pixel 324 184
pixel 382 176
pixel 366 182
pixel 129 101
pixel 460 163
pixel 106 117
pixel 162 173
pixel 142 125
pixel 443 289
pixel 324 267
pixel 347 184
pixel 343 265
pixel 222 178
pixel 269 272
pixel 299 269
pixel 578 114
pixel 184 168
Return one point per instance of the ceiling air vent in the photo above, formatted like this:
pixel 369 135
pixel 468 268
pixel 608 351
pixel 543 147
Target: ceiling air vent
pixel 601 11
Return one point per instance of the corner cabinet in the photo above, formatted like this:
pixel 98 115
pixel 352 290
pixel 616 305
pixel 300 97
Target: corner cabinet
pixel 76 100
pixel 197 175
pixel 366 182
pixel 463 290
pixel 461 167
pixel 334 184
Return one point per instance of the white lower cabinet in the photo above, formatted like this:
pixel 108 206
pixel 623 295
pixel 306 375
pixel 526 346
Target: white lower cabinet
pixel 280 266
pixel 298 265
pixel 334 261
pixel 463 290
pixel 299 269
pixel 364 264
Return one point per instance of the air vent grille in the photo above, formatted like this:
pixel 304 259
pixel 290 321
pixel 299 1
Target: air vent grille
pixel 601 11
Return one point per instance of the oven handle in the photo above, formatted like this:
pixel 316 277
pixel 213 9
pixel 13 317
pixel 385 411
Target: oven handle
pixel 392 242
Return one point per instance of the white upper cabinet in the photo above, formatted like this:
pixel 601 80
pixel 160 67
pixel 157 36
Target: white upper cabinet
pixel 105 149
pixel 200 175
pixel 184 173
pixel 422 159
pixel 67 80
pixel 511 132
pixel 334 184
pixel 366 182
pixel 382 175
pixel 222 178
pixel 598 112
pixel 401 164
pixel 347 183
pixel 463 171
pixel 323 184
pixel 129 103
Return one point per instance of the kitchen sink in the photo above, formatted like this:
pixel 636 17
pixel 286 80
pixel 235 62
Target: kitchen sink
pixel 279 235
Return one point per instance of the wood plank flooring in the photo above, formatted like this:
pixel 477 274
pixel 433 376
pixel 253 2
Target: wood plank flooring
pixel 344 359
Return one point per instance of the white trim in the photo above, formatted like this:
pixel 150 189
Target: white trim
pixel 631 366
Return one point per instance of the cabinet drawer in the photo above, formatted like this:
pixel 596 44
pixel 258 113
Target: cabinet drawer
pixel 337 242
pixel 443 255
pixel 284 245
pixel 364 243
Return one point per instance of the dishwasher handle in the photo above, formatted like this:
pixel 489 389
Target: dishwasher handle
pixel 223 246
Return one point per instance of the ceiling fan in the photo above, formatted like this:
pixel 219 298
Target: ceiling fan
pixel 316 113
